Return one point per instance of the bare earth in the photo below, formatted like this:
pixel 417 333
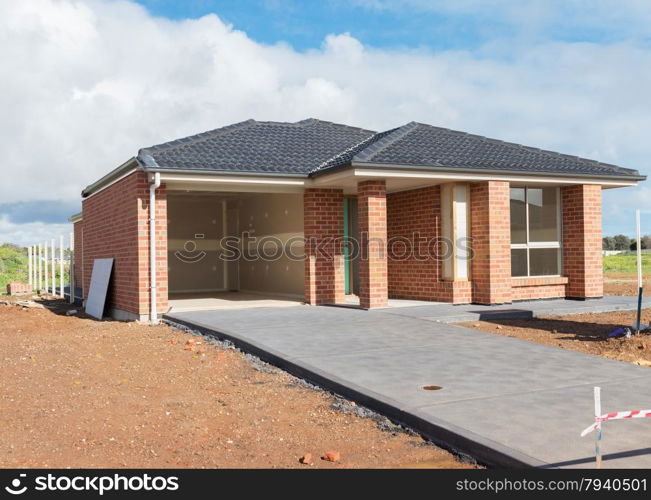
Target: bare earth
pixel 623 284
pixel 75 392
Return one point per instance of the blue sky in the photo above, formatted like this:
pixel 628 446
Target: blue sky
pixel 432 24
pixel 304 24
pixel 567 75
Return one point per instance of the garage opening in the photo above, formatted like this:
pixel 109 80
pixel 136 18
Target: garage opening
pixel 234 250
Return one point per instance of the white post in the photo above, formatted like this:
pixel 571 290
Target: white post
pixel 61 291
pixel 597 415
pixel 639 248
pixel 32 273
pixel 640 285
pixel 72 268
pixel 54 268
pixel 29 265
pixel 40 268
pixel 46 267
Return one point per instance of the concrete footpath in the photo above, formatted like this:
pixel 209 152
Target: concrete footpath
pixel 503 401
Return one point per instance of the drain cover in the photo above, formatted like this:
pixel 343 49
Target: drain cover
pixel 432 387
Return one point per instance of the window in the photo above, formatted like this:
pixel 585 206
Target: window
pixel 535 232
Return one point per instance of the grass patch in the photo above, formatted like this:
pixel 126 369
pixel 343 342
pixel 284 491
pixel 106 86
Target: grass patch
pixel 626 264
pixel 13 264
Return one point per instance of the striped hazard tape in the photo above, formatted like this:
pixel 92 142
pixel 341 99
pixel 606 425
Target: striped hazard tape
pixel 616 415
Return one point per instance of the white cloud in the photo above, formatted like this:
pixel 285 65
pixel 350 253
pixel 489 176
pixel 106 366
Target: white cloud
pixel 88 83
pixel 33 232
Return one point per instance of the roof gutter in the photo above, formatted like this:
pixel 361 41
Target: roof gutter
pixel 458 170
pixel 113 176
pixel 76 218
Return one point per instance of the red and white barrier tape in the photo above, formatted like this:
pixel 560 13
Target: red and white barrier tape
pixel 616 415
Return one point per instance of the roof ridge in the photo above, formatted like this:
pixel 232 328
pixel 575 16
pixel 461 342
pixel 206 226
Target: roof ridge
pixel 343 153
pixel 392 136
pixel 193 139
pixel 310 121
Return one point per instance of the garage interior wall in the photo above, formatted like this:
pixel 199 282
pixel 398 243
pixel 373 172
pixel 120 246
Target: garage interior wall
pixel 199 222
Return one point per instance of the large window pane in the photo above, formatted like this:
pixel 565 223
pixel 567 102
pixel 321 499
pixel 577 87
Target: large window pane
pixel 543 214
pixel 518 216
pixel 519 262
pixel 544 261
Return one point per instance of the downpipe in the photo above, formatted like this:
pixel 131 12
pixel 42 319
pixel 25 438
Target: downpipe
pixel 153 186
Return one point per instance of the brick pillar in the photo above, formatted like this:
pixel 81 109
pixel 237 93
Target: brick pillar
pixel 372 220
pixel 582 262
pixel 491 242
pixel 161 250
pixel 323 219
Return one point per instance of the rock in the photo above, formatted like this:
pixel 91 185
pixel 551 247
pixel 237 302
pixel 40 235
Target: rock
pixel 331 456
pixel 29 304
pixel 499 327
pixel 201 350
pixel 189 345
pixel 173 341
pixel 71 312
pixel 642 346
pixel 306 459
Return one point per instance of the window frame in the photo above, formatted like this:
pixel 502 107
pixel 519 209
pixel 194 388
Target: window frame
pixel 529 245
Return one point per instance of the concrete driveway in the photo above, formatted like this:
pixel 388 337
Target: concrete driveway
pixel 503 401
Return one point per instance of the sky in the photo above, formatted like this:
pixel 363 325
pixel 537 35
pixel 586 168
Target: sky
pixel 86 83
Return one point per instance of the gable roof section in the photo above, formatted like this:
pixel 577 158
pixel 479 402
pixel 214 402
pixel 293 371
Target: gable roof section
pixel 313 147
pixel 255 146
pixel 426 146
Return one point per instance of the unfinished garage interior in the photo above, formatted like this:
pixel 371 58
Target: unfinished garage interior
pixel 233 247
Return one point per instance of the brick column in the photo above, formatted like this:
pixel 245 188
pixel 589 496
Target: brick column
pixel 323 211
pixel 161 250
pixel 491 242
pixel 372 220
pixel 582 262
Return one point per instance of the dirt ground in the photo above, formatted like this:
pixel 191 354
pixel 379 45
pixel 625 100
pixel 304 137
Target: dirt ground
pixel 579 332
pixel 623 284
pixel 76 392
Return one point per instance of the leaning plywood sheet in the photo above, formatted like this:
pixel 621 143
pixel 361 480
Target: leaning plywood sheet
pixel 99 282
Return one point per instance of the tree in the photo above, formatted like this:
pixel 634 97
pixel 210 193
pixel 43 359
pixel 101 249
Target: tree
pixel 645 243
pixel 622 242
pixel 608 243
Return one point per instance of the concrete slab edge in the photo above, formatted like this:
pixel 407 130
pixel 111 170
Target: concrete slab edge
pixel 443 434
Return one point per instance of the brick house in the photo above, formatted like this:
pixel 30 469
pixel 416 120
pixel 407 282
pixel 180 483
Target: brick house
pixel 326 212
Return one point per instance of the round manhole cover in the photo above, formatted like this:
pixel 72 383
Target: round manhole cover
pixel 432 387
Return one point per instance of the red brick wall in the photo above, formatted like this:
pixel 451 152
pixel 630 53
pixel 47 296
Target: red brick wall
pixel 418 277
pixel 323 212
pixel 417 211
pixel 582 262
pixel 372 220
pixel 538 288
pixel 491 234
pixel 78 228
pixel 115 224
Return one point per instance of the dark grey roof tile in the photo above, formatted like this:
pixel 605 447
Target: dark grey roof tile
pixel 313 147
